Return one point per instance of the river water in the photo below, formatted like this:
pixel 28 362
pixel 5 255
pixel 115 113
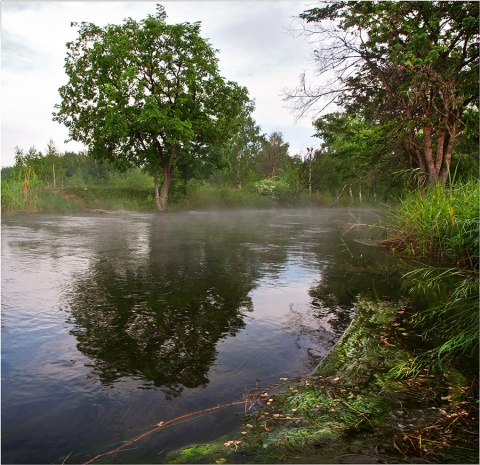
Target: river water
pixel 114 322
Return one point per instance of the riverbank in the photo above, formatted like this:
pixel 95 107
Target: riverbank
pixel 77 199
pixel 358 407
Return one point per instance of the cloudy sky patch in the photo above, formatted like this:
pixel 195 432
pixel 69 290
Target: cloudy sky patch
pixel 255 50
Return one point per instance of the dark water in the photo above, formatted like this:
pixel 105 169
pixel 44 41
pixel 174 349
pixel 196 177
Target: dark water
pixel 112 323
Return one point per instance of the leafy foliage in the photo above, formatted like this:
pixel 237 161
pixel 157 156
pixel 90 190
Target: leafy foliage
pixel 148 94
pixel 414 64
pixel 356 151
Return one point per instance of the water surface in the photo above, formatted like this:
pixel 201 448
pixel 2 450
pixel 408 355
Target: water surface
pixel 112 323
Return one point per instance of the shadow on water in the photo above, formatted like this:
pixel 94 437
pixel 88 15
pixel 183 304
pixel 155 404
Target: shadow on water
pixel 159 317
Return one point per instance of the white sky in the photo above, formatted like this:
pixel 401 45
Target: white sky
pixel 256 51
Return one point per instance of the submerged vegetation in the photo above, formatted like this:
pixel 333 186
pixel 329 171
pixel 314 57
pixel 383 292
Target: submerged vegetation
pixel 355 409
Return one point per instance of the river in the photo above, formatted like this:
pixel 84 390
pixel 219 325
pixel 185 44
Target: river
pixel 112 323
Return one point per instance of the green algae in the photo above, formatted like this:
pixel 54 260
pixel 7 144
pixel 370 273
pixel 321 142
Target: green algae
pixel 357 407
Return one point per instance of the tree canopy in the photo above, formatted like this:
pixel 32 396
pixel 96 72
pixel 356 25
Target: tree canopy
pixel 147 94
pixel 412 63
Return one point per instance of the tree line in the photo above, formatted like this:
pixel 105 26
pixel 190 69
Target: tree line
pixel 148 95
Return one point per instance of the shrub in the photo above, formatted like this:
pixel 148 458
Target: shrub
pixel 276 189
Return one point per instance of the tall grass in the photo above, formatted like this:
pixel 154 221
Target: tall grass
pixel 442 223
pixel 13 199
pixel 447 313
pixel 16 198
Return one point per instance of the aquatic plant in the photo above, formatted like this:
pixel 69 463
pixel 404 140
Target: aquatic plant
pixel 447 313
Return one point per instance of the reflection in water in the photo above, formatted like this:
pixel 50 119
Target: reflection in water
pixel 364 273
pixel 100 313
pixel 159 319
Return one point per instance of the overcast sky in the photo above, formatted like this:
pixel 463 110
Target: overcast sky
pixel 255 50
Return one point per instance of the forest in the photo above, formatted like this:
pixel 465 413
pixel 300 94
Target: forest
pixel 402 79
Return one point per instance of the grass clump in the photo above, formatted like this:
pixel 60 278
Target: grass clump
pixel 446 316
pixel 443 223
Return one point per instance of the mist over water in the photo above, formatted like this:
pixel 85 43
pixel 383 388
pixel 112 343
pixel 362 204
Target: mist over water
pixel 112 323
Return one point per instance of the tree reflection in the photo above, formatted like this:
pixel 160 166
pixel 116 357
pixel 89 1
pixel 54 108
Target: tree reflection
pixel 358 272
pixel 158 317
pixel 158 296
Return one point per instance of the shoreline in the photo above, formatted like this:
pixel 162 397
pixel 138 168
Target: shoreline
pixel 353 409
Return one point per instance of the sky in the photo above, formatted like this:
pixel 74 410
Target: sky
pixel 255 50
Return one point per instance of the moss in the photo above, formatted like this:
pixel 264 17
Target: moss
pixel 353 409
pixel 197 454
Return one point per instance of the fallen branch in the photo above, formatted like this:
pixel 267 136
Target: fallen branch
pixel 158 427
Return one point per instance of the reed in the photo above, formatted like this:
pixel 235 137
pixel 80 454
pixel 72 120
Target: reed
pixel 442 223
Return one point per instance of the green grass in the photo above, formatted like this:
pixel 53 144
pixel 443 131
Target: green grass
pixel 443 223
pixel 41 199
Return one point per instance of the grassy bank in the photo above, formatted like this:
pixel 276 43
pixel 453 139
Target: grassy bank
pixel 357 408
pixel 43 199
pixel 443 226
pixel 442 223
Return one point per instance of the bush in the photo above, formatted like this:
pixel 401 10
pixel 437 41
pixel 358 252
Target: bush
pixel 276 189
pixel 202 195
pixel 134 179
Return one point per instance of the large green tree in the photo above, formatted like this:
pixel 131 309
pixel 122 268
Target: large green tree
pixel 147 94
pixel 361 152
pixel 244 146
pixel 411 62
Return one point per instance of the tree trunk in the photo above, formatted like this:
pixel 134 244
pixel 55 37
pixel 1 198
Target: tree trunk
pixel 162 200
pixel 238 175
pixel 161 196
pixel 167 168
pixel 435 169
pixel 447 154
pixel 299 187
pixel 310 174
pixel 157 193
pixel 428 156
